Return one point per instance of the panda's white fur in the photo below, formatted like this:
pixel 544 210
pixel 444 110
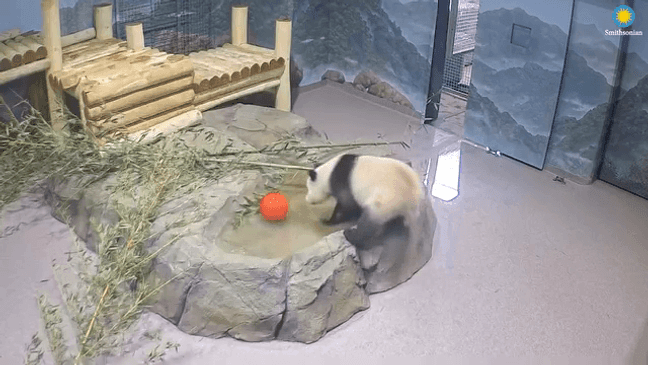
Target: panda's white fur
pixel 372 189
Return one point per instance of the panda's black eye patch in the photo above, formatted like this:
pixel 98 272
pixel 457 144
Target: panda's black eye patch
pixel 312 174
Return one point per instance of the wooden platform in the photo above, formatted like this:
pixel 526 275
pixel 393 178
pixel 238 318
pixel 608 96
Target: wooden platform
pixel 229 72
pixel 125 91
pixel 123 88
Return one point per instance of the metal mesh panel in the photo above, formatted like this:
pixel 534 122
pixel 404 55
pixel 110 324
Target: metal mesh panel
pixel 174 26
pixel 458 67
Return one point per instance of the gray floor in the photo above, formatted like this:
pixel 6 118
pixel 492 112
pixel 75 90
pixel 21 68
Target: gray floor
pixel 525 269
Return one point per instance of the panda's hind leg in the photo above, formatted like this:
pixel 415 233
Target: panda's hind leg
pixel 366 230
pixel 343 213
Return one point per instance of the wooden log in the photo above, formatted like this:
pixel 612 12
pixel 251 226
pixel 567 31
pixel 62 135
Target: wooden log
pixel 236 86
pixel 77 92
pixel 202 78
pixel 233 56
pixel 138 98
pixel 145 111
pixel 27 54
pixel 96 49
pixel 79 46
pixel 52 41
pixel 217 75
pixel 238 94
pixel 12 55
pixel 5 62
pixel 165 127
pixel 30 42
pixel 218 81
pixel 219 64
pixel 125 82
pixel 145 123
pixel 239 24
pixel 8 34
pixel 256 58
pixel 103 21
pixel 283 39
pixel 276 63
pixel 245 72
pixel 78 37
pixel 216 66
pixel 25 70
pixel 68 78
pixel 226 59
pixel 135 36
pixel 259 50
pixel 108 65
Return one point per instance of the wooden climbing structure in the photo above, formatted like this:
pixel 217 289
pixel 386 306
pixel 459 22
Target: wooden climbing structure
pixel 125 88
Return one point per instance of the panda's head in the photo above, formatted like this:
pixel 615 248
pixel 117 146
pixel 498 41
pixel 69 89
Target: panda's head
pixel 318 187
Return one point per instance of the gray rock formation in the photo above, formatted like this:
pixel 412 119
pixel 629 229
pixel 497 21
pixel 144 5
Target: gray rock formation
pixel 370 82
pixel 386 91
pixel 325 287
pixel 296 73
pixel 333 75
pixel 365 80
pixel 215 292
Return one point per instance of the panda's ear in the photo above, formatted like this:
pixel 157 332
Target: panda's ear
pixel 312 174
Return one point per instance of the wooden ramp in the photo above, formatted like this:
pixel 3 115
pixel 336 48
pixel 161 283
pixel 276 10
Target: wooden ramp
pixel 229 72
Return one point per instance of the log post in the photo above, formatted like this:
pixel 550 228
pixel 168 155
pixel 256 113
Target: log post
pixel 103 21
pixel 239 24
pixel 52 40
pixel 283 39
pixel 78 37
pixel 135 36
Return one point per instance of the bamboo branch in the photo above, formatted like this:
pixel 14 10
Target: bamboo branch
pixel 403 144
pixel 94 317
pixel 266 164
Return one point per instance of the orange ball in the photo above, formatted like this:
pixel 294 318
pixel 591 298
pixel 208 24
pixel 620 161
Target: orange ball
pixel 274 207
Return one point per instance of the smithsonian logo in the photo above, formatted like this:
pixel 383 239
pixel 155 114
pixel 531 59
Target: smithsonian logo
pixel 623 17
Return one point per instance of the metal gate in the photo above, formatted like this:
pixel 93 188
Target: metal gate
pixel 174 26
pixel 461 39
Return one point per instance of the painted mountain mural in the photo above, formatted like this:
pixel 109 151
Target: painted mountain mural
pixel 416 19
pixel 583 104
pixel 514 89
pixel 584 97
pixel 546 46
pixel 626 156
pixel 354 35
pixel 499 126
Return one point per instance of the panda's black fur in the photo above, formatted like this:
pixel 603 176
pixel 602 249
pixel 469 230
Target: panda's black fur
pixel 347 208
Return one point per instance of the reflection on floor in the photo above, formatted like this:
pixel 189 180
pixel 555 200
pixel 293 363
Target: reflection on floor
pixel 451 113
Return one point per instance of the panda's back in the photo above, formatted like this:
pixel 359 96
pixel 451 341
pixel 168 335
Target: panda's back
pixel 397 185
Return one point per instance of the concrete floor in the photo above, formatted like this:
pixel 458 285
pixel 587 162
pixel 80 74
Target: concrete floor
pixel 525 269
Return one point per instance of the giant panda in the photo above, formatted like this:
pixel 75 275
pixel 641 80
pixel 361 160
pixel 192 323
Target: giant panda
pixel 374 192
